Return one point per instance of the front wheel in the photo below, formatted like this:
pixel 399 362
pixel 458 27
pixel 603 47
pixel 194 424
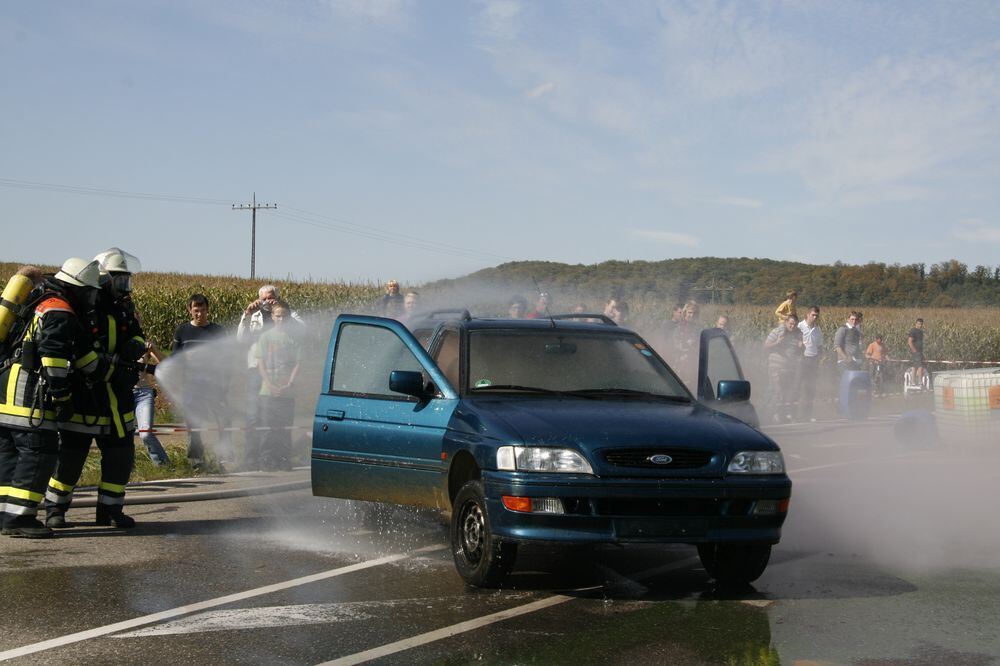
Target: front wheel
pixel 482 560
pixel 736 563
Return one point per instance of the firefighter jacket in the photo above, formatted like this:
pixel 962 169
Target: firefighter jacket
pixel 116 337
pixel 36 379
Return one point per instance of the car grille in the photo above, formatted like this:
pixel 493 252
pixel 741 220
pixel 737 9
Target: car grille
pixel 680 458
pixel 630 507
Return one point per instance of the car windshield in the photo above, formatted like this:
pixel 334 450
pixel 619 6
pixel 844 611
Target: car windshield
pixel 575 362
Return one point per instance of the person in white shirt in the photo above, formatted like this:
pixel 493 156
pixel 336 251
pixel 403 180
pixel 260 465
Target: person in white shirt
pixel 812 340
pixel 255 320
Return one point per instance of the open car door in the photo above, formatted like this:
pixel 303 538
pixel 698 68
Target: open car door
pixel 381 416
pixel 721 384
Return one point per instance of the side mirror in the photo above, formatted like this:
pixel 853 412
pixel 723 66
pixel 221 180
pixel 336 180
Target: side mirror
pixel 408 382
pixel 733 390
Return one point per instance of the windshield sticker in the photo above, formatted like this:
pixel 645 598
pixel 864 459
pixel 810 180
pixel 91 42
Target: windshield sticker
pixel 646 352
pixel 639 345
pixel 483 382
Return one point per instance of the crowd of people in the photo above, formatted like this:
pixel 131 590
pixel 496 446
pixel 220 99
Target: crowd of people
pixel 794 352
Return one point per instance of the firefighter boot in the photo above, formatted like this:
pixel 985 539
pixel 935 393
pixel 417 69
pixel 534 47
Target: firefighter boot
pixel 113 514
pixel 56 520
pixel 26 527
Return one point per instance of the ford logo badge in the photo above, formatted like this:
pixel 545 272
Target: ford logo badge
pixel 660 459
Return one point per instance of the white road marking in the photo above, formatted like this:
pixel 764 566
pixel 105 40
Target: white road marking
pixel 265 617
pixel 202 605
pixel 470 625
pixel 849 462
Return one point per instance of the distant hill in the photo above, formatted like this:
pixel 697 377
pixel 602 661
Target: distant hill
pixel 752 281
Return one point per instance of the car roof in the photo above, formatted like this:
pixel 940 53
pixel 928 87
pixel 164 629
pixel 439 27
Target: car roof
pixel 484 323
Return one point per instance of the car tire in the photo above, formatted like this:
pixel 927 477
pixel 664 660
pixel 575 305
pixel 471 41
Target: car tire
pixel 481 559
pixel 734 563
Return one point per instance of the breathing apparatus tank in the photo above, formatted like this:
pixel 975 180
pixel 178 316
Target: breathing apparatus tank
pixel 14 295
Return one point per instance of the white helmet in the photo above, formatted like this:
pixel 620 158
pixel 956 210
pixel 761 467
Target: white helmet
pixel 117 260
pixel 80 272
pixel 120 265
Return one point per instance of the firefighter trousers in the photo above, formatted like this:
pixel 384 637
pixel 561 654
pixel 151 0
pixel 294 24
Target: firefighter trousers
pixel 117 459
pixel 27 458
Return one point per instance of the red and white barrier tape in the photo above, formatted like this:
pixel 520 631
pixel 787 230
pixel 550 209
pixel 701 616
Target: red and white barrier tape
pixel 165 431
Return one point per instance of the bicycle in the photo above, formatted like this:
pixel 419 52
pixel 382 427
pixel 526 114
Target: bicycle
pixel 878 377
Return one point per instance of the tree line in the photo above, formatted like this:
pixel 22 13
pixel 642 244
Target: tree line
pixel 753 281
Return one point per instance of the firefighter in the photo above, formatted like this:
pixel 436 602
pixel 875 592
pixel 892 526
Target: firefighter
pixel 119 339
pixel 35 391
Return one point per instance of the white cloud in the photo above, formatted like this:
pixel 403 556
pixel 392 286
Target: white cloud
pixel 884 132
pixel 739 202
pixel 672 237
pixel 539 90
pixel 977 231
pixel 500 19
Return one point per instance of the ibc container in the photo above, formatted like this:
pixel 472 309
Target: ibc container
pixel 967 402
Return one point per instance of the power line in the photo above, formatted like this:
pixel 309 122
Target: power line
pixel 299 215
pixel 95 191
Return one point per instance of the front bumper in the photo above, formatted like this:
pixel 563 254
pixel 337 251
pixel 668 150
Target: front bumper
pixel 631 510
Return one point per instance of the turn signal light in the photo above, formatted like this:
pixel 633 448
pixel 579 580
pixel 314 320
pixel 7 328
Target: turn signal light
pixel 533 505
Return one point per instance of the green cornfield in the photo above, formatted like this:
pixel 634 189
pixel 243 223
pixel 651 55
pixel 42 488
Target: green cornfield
pixel 952 334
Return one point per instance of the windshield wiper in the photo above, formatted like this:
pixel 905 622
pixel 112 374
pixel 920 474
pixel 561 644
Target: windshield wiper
pixel 630 393
pixel 532 389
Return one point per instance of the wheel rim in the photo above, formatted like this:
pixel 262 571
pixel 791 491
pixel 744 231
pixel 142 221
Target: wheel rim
pixel 473 531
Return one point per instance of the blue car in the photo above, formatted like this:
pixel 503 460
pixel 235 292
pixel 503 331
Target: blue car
pixel 549 431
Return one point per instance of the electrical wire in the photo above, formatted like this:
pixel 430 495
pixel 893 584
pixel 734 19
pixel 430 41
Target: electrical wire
pixel 297 215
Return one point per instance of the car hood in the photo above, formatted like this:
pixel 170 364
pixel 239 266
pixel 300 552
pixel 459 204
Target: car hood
pixel 595 424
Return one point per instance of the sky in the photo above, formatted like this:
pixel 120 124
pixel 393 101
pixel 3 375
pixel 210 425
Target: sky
pixel 423 140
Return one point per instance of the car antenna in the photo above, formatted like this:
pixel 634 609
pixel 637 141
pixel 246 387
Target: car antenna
pixel 540 292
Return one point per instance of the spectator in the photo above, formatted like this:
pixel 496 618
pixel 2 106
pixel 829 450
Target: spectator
pixel 392 301
pixel 847 343
pixel 616 310
pixel 279 355
pixel 517 307
pixel 580 308
pixel 205 379
pixel 685 344
pixel 675 319
pixel 723 323
pixel 541 310
pixel 812 347
pixel 787 307
pixel 145 407
pixel 254 321
pixel 915 342
pixel 410 301
pixel 784 346
pixel 877 356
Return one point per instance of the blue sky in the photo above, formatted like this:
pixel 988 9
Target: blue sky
pixel 420 140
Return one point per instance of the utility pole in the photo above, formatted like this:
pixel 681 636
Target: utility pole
pixel 716 290
pixel 252 207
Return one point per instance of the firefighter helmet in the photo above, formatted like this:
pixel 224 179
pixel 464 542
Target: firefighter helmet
pixel 80 272
pixel 117 260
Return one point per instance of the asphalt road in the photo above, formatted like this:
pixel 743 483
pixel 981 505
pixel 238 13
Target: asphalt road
pixel 891 555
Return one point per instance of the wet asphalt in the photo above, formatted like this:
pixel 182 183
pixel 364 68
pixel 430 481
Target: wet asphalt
pixel 891 555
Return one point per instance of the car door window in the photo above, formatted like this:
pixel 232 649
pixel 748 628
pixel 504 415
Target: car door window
pixel 364 358
pixel 721 366
pixel 447 357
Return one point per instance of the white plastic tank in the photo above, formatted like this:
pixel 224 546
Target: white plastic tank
pixel 967 404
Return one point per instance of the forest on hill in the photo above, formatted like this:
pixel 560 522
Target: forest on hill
pixel 751 281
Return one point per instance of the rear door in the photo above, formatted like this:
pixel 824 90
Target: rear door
pixel 717 362
pixel 370 442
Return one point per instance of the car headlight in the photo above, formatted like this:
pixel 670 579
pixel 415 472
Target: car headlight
pixel 541 459
pixel 757 462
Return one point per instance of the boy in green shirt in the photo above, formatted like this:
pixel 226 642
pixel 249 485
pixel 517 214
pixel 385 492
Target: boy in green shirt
pixel 278 357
